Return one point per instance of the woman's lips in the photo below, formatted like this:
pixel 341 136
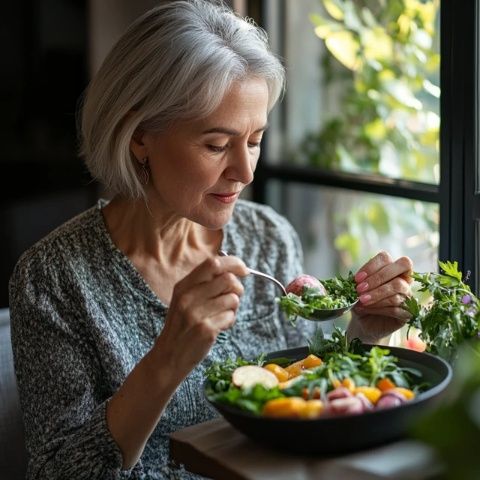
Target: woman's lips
pixel 226 197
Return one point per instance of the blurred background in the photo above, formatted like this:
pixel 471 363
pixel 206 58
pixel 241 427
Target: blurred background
pixel 352 156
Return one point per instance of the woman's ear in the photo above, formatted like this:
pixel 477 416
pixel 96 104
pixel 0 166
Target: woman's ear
pixel 137 145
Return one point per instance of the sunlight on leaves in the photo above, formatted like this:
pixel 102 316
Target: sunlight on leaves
pixel 324 28
pixel 334 8
pixel 381 68
pixel 377 44
pixel 345 48
pixel 431 88
pixel 400 91
pixel 375 129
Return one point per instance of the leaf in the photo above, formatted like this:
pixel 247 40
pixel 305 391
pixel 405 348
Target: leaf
pixel 377 44
pixel 451 269
pixel 403 94
pixel 323 27
pixel 345 48
pixel 412 306
pixel 334 8
pixel 451 317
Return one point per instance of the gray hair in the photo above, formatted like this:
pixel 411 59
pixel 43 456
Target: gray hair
pixel 175 62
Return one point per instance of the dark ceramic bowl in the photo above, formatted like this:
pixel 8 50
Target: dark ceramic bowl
pixel 341 434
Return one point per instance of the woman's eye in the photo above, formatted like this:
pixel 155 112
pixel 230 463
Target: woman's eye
pixel 253 145
pixel 217 148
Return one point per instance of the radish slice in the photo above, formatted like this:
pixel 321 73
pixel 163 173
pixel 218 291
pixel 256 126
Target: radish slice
pixel 250 375
pixel 299 284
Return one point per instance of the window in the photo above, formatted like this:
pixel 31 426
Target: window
pixel 418 198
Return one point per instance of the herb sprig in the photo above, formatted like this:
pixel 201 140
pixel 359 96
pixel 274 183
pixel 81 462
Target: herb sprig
pixel 338 342
pixel 452 315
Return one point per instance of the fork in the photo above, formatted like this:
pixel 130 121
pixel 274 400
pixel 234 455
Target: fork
pixel 260 274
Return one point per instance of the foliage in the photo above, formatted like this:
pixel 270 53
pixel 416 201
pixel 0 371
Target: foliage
pixel 452 314
pixel 389 122
pixel 322 347
pixel 382 55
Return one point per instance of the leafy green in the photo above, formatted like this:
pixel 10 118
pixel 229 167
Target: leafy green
pixel 341 359
pixel 251 400
pixel 450 317
pixel 219 375
pixel 321 346
pixel 341 292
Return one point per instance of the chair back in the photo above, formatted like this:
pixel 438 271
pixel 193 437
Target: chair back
pixel 13 456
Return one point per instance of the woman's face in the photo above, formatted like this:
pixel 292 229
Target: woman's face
pixel 198 168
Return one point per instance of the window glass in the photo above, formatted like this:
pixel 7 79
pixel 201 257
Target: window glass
pixel 340 229
pixel 363 86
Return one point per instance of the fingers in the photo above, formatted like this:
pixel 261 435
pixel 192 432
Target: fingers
pixel 395 300
pixel 211 268
pixel 397 286
pixel 203 304
pixel 223 283
pixel 216 306
pixel 373 265
pixel 223 321
pixel 381 269
pixel 382 285
pixel 381 278
pixel 208 298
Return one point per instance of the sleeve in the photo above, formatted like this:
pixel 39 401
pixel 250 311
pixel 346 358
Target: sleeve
pixel 65 423
pixel 288 264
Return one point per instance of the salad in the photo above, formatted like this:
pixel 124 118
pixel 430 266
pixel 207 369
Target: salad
pixel 335 378
pixel 305 294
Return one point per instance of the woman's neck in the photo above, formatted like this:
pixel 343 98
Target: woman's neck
pixel 144 234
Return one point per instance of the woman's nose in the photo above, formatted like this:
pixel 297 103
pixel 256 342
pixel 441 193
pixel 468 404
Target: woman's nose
pixel 242 164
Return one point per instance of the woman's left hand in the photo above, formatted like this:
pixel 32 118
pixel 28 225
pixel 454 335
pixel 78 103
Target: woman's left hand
pixel 382 285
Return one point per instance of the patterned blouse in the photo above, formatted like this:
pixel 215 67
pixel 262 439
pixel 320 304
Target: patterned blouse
pixel 83 317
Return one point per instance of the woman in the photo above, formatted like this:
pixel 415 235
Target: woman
pixel 117 314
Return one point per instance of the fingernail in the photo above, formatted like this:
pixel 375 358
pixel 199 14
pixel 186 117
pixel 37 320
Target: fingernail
pixel 360 276
pixel 365 298
pixel 362 287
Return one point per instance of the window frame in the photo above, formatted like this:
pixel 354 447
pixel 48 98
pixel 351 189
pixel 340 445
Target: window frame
pixel 459 199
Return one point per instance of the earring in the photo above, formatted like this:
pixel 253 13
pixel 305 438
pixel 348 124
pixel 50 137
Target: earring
pixel 144 172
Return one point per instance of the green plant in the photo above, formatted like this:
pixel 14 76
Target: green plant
pixel 451 314
pixel 389 121
pixel 382 55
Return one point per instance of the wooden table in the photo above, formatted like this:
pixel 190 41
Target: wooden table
pixel 215 449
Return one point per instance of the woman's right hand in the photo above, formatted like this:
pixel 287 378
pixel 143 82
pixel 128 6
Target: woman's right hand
pixel 203 304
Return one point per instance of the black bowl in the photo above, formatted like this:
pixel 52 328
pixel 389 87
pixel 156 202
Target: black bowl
pixel 347 433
